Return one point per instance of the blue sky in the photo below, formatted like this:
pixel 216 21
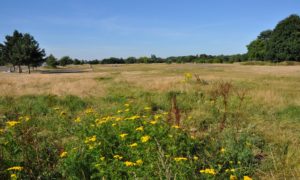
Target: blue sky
pixel 89 29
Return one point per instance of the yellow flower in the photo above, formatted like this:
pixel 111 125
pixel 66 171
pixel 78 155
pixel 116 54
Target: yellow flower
pixel 139 162
pixel 208 171
pixel 77 120
pixel 89 111
pixel 128 163
pixel 126 110
pixel 147 108
pixel 13 176
pixel 195 158
pixel 15 168
pixel 247 178
pixel 27 118
pixel 119 111
pixel 141 128
pixel 12 123
pixel 223 150
pixel 133 145
pixel 153 122
pixel 176 127
pixel 63 154
pixel 102 158
pixel 126 105
pixel 178 159
pixel 233 177
pixel 123 135
pixel 157 116
pixel 145 138
pixel 90 139
pixel 118 157
pixel 187 76
pixel 114 124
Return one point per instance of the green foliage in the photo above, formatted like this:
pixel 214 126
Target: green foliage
pixel 51 61
pixel 284 43
pixel 22 49
pixel 280 44
pixel 126 134
pixel 66 60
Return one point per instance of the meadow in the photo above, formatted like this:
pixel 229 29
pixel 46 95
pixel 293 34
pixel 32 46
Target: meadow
pixel 161 121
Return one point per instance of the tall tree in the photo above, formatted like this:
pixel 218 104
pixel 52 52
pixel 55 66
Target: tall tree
pixel 257 49
pixel 51 61
pixel 66 60
pixel 284 43
pixel 22 49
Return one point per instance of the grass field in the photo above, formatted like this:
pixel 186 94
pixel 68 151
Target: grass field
pixel 214 121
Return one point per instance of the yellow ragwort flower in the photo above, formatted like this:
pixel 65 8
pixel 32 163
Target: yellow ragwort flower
pixel 118 157
pixel 145 138
pixel 77 120
pixel 233 177
pixel 13 176
pixel 133 145
pixel 128 163
pixel 90 139
pixel 223 150
pixel 123 135
pixel 208 171
pixel 139 162
pixel 147 108
pixel 178 159
pixel 15 168
pixel 63 154
pixel 89 111
pixel 195 158
pixel 247 178
pixel 141 128
pixel 27 118
pixel 12 123
pixel 176 127
pixel 153 122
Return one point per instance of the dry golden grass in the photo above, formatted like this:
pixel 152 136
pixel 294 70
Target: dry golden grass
pixel 57 84
pixel 267 83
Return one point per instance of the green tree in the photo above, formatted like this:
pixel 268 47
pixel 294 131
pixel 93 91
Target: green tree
pixel 22 49
pixel 32 55
pixel 257 49
pixel 51 61
pixel 66 60
pixel 284 43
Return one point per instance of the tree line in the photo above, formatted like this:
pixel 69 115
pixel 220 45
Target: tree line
pixel 280 44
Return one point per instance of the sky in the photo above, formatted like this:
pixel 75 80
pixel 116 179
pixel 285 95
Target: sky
pixel 96 29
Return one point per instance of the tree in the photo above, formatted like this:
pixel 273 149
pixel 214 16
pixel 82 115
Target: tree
pixel 22 49
pixel 51 61
pixel 31 54
pixel 257 49
pixel 66 60
pixel 284 43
